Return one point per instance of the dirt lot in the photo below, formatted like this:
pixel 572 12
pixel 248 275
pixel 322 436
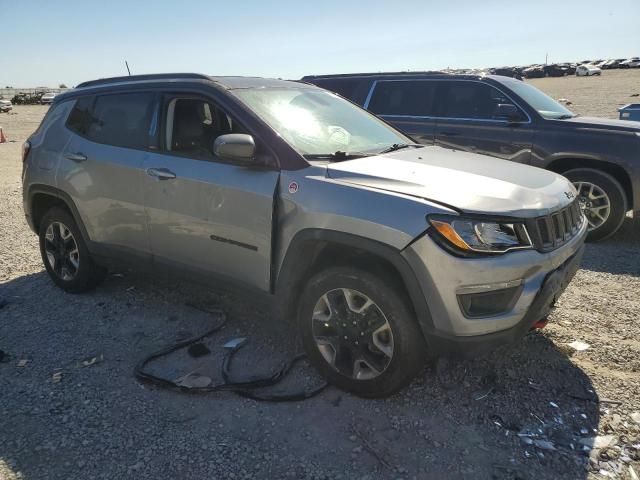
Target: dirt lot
pixel 598 96
pixel 537 410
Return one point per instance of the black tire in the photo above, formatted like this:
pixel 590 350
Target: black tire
pixel 616 194
pixel 87 275
pixel 408 345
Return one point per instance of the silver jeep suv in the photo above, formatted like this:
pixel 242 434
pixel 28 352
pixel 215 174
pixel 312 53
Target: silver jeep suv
pixel 384 252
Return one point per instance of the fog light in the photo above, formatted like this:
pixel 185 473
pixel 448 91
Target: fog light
pixel 488 304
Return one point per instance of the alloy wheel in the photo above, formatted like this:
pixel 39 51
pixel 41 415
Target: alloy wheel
pixel 594 203
pixel 62 251
pixel 352 333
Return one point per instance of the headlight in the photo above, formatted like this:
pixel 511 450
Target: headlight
pixel 478 235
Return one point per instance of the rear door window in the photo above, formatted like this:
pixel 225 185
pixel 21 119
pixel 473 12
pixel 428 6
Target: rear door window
pixel 403 97
pixel 80 117
pixel 122 120
pixel 471 100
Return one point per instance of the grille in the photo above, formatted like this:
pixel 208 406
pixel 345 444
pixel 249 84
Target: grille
pixel 552 231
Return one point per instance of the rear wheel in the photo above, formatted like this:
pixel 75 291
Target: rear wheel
pixel 359 332
pixel 65 255
pixel 602 200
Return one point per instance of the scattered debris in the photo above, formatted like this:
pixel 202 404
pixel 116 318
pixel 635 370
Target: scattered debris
pixel 534 385
pixel 56 377
pixel 526 440
pixel 565 101
pixel 484 395
pixel 554 405
pixel 579 346
pixel 635 416
pixel 92 361
pixel 194 380
pixel 544 445
pixel 131 288
pixel 118 275
pixel 23 363
pixel 635 95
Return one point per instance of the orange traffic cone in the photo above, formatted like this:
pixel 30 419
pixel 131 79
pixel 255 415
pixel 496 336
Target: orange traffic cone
pixel 3 139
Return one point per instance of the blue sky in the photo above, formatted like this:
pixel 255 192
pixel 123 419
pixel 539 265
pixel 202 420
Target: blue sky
pixel 45 43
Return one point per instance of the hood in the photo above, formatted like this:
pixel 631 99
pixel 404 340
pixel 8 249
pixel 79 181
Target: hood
pixel 603 123
pixel 467 182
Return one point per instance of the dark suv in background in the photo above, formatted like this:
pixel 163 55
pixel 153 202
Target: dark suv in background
pixel 510 119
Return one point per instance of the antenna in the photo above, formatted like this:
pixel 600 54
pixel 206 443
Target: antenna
pixel 127 64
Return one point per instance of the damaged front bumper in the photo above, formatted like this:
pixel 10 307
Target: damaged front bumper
pixel 478 304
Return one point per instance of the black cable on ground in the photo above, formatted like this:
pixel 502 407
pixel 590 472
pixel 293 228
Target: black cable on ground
pixel 246 388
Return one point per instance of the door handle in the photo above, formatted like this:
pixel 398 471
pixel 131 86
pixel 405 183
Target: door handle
pixel 76 157
pixel 161 173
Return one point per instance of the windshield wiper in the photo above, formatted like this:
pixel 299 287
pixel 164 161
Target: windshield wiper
pixel 398 146
pixel 337 156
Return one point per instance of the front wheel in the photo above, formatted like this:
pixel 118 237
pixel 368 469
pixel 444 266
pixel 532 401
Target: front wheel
pixel 602 200
pixel 359 332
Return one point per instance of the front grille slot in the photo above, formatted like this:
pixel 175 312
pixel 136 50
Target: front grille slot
pixel 552 231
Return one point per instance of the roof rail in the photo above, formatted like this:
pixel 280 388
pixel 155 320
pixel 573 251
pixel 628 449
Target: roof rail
pixel 374 74
pixel 137 78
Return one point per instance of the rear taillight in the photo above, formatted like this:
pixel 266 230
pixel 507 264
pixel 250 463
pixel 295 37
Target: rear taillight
pixel 26 147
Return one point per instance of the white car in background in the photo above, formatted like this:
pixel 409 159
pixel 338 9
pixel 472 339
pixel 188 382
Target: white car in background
pixel 633 62
pixel 48 98
pixel 5 105
pixel 587 70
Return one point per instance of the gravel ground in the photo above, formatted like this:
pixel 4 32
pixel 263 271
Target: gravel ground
pixel 598 96
pixel 538 410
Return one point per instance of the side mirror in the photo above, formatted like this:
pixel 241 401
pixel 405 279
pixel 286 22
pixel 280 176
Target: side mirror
pixel 507 111
pixel 235 147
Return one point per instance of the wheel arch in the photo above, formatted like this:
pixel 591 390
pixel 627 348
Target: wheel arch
pixel 312 250
pixel 563 165
pixel 44 197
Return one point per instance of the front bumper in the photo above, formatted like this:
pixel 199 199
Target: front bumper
pixel 442 277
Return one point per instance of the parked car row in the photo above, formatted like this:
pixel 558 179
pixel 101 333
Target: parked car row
pixel 42 98
pixel 553 70
pixel 633 62
pixel 510 119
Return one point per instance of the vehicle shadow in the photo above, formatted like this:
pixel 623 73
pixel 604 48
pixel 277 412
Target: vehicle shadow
pixel 517 413
pixel 619 254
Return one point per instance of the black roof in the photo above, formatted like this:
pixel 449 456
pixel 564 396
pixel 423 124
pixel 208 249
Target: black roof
pixel 377 74
pixel 255 82
pixel 140 78
pixel 407 75
pixel 228 82
pixel 222 82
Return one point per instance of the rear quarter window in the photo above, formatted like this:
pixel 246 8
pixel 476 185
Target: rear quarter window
pixel 80 117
